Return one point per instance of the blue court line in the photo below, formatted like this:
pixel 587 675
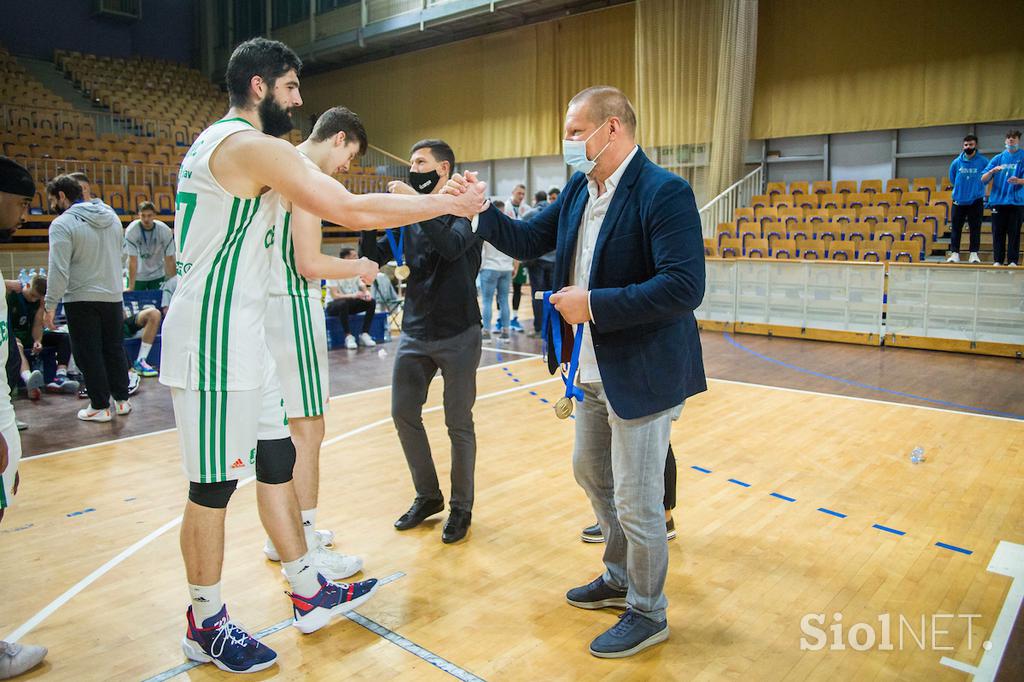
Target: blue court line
pixel 887 529
pixel 783 497
pixel 943 545
pixel 833 513
pixel 701 469
pixel 869 387
pixel 733 480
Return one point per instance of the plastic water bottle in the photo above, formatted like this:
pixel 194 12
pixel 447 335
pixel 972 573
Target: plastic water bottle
pixel 42 272
pixel 917 455
pixel 31 274
pixel 23 277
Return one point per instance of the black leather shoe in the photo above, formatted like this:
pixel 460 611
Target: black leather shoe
pixel 421 508
pixel 456 527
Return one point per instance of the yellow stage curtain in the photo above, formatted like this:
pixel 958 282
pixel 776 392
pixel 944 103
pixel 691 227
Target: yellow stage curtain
pixel 496 96
pixel 835 66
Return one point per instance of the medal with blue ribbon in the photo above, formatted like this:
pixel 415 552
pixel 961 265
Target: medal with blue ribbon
pixel 552 320
pixel 402 271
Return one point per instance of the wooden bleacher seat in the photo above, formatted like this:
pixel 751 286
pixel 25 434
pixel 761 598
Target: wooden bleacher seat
pixel 782 200
pixel 748 232
pixel 873 251
pixel 915 200
pixel 934 216
pixel 904 251
pixel 857 233
pixel 114 197
pixel 828 232
pixel 833 200
pixel 804 230
pixel 922 235
pixel 791 215
pixel 756 248
pixel 842 215
pixel 758 201
pixel 774 231
pixel 872 186
pixel 710 250
pixel 811 249
pixel 859 199
pixel 730 248
pixel 807 200
pixel 887 199
pixel 799 187
pixel 821 187
pixel 943 199
pixel 725 231
pixel 842 250
pixel 743 215
pixel 775 188
pixel 816 215
pixel 887 232
pixel 897 185
pixel 903 215
pixel 764 213
pixel 926 185
pixel 871 214
pixel 783 249
pixel 846 187
pixel 136 195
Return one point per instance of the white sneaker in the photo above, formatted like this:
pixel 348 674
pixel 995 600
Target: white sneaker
pixel 1012 265
pixel 350 342
pixel 333 565
pixel 997 265
pixel 953 258
pixel 123 407
pixel 366 340
pixel 974 257
pixel 134 381
pixel 18 658
pixel 324 537
pixel 90 415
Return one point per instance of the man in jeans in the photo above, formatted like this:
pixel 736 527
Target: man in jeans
pixel 85 271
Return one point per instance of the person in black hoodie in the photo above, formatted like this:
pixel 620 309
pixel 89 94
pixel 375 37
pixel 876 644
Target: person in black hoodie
pixel 440 331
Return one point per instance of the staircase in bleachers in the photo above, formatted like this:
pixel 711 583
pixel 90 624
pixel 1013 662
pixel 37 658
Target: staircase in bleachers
pixel 898 220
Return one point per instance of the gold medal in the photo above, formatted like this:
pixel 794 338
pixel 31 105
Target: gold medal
pixel 563 408
pixel 402 272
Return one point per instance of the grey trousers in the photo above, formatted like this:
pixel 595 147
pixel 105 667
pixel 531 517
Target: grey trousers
pixel 620 463
pixel 416 363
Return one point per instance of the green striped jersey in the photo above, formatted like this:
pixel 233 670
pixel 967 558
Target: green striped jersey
pixel 285 279
pixel 213 338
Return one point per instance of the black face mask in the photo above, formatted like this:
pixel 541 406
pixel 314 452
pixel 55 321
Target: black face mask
pixel 276 121
pixel 424 183
pixel 969 152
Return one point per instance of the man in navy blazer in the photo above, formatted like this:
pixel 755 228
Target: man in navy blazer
pixel 630 267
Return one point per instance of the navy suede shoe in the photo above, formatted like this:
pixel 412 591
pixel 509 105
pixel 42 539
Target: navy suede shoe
pixel 596 595
pixel 632 634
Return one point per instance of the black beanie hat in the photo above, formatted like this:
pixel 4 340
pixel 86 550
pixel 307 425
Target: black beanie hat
pixel 15 178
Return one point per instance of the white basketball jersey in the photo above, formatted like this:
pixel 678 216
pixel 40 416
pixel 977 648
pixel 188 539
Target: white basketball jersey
pixel 6 408
pixel 285 279
pixel 213 338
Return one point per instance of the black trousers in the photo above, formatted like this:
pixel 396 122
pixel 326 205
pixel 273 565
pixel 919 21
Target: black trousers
pixel 1006 233
pixel 96 331
pixel 972 213
pixel 13 359
pixel 343 307
pixel 517 297
pixel 60 342
pixel 542 278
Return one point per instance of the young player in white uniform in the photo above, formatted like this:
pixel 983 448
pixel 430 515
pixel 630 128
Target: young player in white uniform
pixel 227 401
pixel 296 328
pixel 16 191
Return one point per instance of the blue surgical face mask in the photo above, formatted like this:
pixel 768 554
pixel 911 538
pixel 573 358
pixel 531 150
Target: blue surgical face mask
pixel 574 153
pixel 1012 148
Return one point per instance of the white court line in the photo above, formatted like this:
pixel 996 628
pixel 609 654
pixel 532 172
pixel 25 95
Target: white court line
pixel 64 598
pixel 1008 560
pixel 511 352
pixel 867 400
pixel 156 433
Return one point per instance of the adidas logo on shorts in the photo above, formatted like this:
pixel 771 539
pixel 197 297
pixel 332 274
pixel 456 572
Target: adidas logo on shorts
pixel 238 464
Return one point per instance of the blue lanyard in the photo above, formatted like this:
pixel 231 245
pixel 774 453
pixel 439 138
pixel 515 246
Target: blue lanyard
pixel 551 321
pixel 396 247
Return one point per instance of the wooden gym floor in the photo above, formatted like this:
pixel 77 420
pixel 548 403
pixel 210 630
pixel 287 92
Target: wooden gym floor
pixel 796 497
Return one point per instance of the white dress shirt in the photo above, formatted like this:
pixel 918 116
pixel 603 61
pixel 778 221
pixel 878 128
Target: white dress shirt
pixel 586 239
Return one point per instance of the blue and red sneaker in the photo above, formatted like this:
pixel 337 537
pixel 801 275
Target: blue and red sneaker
pixel 225 644
pixel 333 599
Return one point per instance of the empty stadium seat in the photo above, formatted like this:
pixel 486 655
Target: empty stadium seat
pixel 730 248
pixel 821 187
pixel 846 187
pixel 799 187
pixel 775 188
pixel 784 249
pixel 811 249
pixel 897 185
pixel 842 250
pixel 756 248
pixel 872 186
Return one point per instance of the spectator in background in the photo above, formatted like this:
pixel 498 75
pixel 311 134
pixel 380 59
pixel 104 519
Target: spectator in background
pixel 516 209
pixel 1006 200
pixel 143 325
pixel 553 194
pixel 149 245
pixel 495 280
pixel 968 199
pixel 83 180
pixel 27 325
pixel 516 204
pixel 541 270
pixel 85 271
pixel 351 297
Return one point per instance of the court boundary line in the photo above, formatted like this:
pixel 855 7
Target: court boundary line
pixel 340 396
pixel 132 549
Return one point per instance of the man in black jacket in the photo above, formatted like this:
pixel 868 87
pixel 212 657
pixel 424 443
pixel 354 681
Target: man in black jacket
pixel 440 331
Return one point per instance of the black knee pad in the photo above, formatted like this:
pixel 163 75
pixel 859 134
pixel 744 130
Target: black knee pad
pixel 212 495
pixel 275 460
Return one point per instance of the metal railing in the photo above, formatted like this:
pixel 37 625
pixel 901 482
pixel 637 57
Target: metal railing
pixel 103 172
pixel 72 123
pixel 740 193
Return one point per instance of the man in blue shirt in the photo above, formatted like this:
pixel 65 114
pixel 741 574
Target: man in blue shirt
pixel 968 198
pixel 1006 200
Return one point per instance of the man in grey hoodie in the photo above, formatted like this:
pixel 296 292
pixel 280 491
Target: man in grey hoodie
pixel 85 271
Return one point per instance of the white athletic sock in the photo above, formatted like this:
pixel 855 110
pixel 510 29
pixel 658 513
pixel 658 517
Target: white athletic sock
pixel 25 375
pixel 144 349
pixel 309 528
pixel 302 575
pixel 206 601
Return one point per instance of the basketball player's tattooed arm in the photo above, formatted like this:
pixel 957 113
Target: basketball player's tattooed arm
pixel 312 263
pixel 274 163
